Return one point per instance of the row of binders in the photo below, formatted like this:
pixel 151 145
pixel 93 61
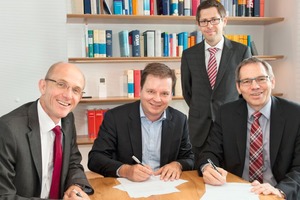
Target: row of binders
pixel 251 8
pixel 95 118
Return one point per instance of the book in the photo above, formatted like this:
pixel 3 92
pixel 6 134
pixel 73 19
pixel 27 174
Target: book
pixel 87 6
pixel 173 44
pixel 106 8
pixel 256 8
pixel 157 43
pixel 130 83
pixel 102 43
pixel 93 7
pixel 91 43
pixel 146 7
pixel 165 45
pixel 187 7
pixel 174 7
pixel 159 7
pixel 241 8
pixel 249 8
pixel 149 43
pixel 254 51
pixel 234 8
pixel 125 10
pixel 142 47
pixel 198 36
pixel 118 7
pixel 91 119
pixel 109 42
pixel 180 44
pixel 124 43
pixel 135 7
pixel 77 7
pixel 137 82
pixel 180 7
pixel 178 88
pixel 96 43
pixel 151 7
pixel 98 120
pixel 195 4
pixel 135 35
pixel 262 8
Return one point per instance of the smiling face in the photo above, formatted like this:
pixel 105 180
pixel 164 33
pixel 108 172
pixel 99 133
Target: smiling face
pixel 155 96
pixel 59 102
pixel 212 33
pixel 256 95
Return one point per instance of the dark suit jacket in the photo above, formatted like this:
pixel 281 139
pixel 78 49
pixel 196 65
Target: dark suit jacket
pixel 226 144
pixel 201 99
pixel 21 158
pixel 120 138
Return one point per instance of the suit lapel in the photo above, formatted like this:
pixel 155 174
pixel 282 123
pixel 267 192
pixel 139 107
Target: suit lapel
pixel 224 62
pixel 166 137
pixel 34 139
pixel 276 129
pixel 134 130
pixel 200 57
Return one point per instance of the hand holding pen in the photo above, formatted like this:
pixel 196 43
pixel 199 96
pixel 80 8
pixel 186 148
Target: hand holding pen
pixel 213 175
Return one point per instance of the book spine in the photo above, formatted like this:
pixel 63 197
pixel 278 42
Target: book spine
pixel 149 43
pixel 249 8
pixel 106 7
pixel 130 6
pixel 94 7
pixel 159 7
pixel 151 7
pixel 166 7
pixel 118 7
pixel 99 120
pixel 173 45
pixel 96 43
pixel 185 40
pixel 135 7
pixel 241 8
pixel 135 34
pixel 77 7
pixel 109 42
pixel 137 82
pixel 180 43
pixel 102 43
pixel 91 43
pixel 87 6
pixel 187 7
pixel 180 7
pixel 256 8
pixel 130 83
pixel 174 7
pixel 125 10
pixel 262 8
pixel 195 4
pixel 124 43
pixel 142 46
pixel 146 7
pixel 165 40
pixel 158 44
pixel 91 123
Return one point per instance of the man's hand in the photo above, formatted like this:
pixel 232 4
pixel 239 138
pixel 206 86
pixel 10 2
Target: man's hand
pixel 212 177
pixel 136 172
pixel 171 171
pixel 75 193
pixel 265 188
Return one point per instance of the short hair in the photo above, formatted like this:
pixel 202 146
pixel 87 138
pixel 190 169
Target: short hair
pixel 209 4
pixel 51 69
pixel 252 60
pixel 159 70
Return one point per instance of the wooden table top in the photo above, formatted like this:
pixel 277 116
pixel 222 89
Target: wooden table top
pixel 191 190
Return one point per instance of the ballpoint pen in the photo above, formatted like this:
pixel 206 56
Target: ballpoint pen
pixel 137 160
pixel 213 165
pixel 77 193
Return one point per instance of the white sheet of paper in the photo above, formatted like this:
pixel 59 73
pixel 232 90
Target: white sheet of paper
pixel 232 191
pixel 153 186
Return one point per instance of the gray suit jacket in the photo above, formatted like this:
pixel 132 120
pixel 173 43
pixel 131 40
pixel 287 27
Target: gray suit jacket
pixel 226 145
pixel 201 99
pixel 21 158
pixel 120 137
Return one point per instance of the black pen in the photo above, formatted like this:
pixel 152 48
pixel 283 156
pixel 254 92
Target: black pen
pixel 77 193
pixel 137 160
pixel 213 165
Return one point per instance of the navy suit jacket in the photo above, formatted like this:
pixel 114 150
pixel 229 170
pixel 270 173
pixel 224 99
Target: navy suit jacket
pixel 203 102
pixel 120 137
pixel 226 145
pixel 21 156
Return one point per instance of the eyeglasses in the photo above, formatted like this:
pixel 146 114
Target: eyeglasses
pixel 64 86
pixel 213 21
pixel 260 80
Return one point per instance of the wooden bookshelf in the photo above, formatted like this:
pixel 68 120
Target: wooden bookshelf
pixel 150 59
pixel 163 19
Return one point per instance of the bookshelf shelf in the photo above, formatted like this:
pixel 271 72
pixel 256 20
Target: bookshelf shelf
pixel 150 59
pixel 163 19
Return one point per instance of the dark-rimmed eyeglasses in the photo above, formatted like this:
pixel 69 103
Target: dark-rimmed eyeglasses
pixel 64 86
pixel 213 21
pixel 260 80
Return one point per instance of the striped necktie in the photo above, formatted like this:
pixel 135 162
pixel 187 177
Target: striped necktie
pixel 212 66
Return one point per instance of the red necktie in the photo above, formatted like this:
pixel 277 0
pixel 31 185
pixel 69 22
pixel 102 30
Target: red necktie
pixel 57 164
pixel 256 150
pixel 212 66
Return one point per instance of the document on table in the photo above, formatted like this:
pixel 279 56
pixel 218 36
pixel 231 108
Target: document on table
pixel 153 186
pixel 232 191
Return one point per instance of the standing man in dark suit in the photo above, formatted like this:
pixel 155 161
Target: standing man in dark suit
pixel 202 98
pixel 148 129
pixel 275 157
pixel 27 142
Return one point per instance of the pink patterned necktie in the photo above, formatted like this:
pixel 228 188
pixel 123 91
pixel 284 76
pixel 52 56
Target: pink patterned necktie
pixel 256 150
pixel 57 164
pixel 212 66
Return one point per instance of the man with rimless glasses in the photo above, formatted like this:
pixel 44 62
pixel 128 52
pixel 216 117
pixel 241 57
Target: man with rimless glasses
pixel 256 137
pixel 207 72
pixel 39 156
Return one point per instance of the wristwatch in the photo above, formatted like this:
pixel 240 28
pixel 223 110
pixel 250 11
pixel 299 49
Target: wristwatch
pixel 282 193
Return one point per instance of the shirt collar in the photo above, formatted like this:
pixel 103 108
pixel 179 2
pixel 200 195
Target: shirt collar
pixel 218 46
pixel 265 111
pixel 46 123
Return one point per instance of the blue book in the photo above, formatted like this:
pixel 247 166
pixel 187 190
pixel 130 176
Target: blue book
pixel 87 7
pixel 256 8
pixel 109 42
pixel 198 35
pixel 146 6
pixel 165 41
pixel 91 43
pixel 180 7
pixel 135 35
pixel 130 6
pixel 174 7
pixel 185 37
pixel 118 7
pixel 124 43
pixel 166 7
